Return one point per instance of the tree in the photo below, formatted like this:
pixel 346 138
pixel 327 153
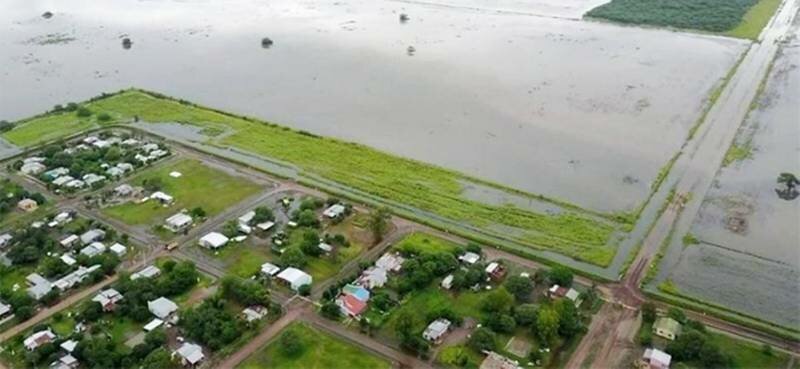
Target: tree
pixel 6 126
pixel 569 321
pixel 382 301
pixel 211 324
pixel 648 312
pixel 293 257
pixel 158 359
pixel 520 287
pixel 526 314
pixel 197 212
pixel 231 228
pixel 307 218
pixel 331 311
pixel 309 243
pixel 83 112
pixel 677 314
pixel 291 344
pixel 501 323
pixel 547 324
pixel 263 214
pixel 304 290
pixel 483 339
pixel 244 291
pixel 789 190
pixel 561 276
pixel 378 223
pixel 497 301
pixel 104 117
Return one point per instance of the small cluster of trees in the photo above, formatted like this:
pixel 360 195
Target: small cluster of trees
pixel 13 193
pixel 245 291
pixel 420 271
pixel 177 278
pixel 211 324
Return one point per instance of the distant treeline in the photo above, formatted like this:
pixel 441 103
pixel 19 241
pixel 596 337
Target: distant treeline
pixel 705 15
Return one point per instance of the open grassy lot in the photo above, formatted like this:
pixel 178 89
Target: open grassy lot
pixel 321 351
pixel 737 18
pixel 199 185
pixel 465 304
pixel 575 232
pixel 417 243
pixel 48 128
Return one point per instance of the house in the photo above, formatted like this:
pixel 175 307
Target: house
pixel 130 142
pixel 496 271
pixel 69 260
pixel 114 172
pixel 436 330
pixel 118 249
pixel 149 147
pixel 91 178
pixel 350 305
pixel 148 272
pixel 244 228
pixel 667 327
pixel 447 282
pixel 655 359
pixel 90 139
pixel 390 262
pixel 27 205
pixel 213 240
pixel 5 240
pixel 62 218
pixel 123 190
pixel 469 258
pixel 69 345
pixel 266 226
pixel 162 197
pixel 33 159
pixel 190 354
pixel 94 249
pixel 101 144
pixel 4 310
pixel 155 323
pixel 34 279
pixel 334 211
pixel 53 174
pixel 70 280
pixel 125 167
pixel 326 248
pixel 75 184
pixel 156 154
pixel 141 158
pixel 269 269
pixel 247 217
pixel 69 241
pixel 65 362
pixel 32 168
pixel 62 180
pixel 294 277
pixel 39 338
pixel 494 360
pixel 253 313
pixel 108 299
pixel 92 235
pixel 178 222
pixel 374 277
pixel 557 292
pixel 162 307
pixel 39 287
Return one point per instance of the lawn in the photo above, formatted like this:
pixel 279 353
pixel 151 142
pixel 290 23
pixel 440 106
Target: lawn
pixel 420 302
pixel 243 260
pixel 47 128
pixel 322 351
pixel 576 232
pixel 199 185
pixel 418 243
pixel 737 18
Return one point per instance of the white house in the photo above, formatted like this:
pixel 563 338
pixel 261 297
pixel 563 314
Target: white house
pixel 254 313
pixel 270 269
pixel 447 282
pixel 656 359
pixel 265 226
pixel 39 287
pixel 294 277
pixel 155 323
pixel 4 310
pixel 5 240
pixel 92 236
pixel 178 222
pixel 436 330
pixel 469 257
pixel 334 211
pixel 148 272
pixel 108 299
pixel 162 197
pixel 213 240
pixel 32 168
pixel 69 345
pixel 69 241
pixel 247 217
pixel 118 249
pixel 162 307
pixel 190 354
pixel 374 277
pixel 392 262
pixel 69 260
pixel 39 338
pixel 65 362
pixel 63 180
pixel 94 249
pixel 91 178
pixel 326 248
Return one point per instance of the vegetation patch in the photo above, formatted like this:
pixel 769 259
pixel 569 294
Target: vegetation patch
pixel 301 346
pixel 703 15
pixel 755 19
pixel 737 152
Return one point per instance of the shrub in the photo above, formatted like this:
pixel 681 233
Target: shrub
pixel 83 112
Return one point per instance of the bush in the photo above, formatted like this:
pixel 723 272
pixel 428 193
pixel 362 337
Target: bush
pixel 6 126
pixel 483 339
pixel 304 290
pixel 83 112
pixel 331 311
pixel 103 117
pixel 291 344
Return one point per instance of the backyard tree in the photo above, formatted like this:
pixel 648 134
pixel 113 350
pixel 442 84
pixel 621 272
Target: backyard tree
pixel 520 287
pixel 497 301
pixel 331 311
pixel 561 276
pixel 526 314
pixel 483 339
pixel 379 223
pixel 547 324
pixel 648 312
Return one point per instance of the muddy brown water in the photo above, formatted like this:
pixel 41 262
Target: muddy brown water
pixel 575 110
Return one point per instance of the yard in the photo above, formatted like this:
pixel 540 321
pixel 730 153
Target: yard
pixel 321 351
pixel 198 186
pixel 575 232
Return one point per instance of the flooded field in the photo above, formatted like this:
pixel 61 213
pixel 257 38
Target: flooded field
pixel 579 111
pixel 750 256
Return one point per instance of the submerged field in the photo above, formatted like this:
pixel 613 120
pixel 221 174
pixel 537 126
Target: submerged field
pixel 198 186
pixel 738 18
pixel 748 258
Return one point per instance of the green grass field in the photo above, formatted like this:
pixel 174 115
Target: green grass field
pixel 199 185
pixel 322 351
pixel 420 302
pixel 418 243
pixel 578 233
pixel 736 18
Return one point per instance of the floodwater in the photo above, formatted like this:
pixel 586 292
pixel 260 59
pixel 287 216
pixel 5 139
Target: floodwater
pixel 580 111
pixel 750 259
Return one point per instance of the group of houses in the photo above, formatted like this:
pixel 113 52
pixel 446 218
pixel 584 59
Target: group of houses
pixel 653 358
pixel 42 337
pixel 353 298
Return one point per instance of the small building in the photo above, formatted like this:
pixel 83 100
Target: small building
pixel 269 269
pixel 32 169
pixel 655 359
pixel 254 313
pixel 150 271
pixel 69 241
pixel 27 205
pixel 4 310
pixel 92 235
pixel 350 305
pixel 557 292
pixel 496 271
pixel 149 147
pixel 469 258
pixel 39 286
pixel 108 299
pixel 190 354
pixel 667 327
pixel 162 197
pixel 295 278
pixel 447 282
pixel 494 360
pixel 391 262
pixel 155 323
pixel 62 180
pixel 39 338
pixel 69 345
pixel 93 249
pixel 69 260
pixel 326 248
pixel 247 217
pixel 123 190
pixel 213 240
pixel 5 240
pixel 162 307
pixel 436 330
pixel 178 222
pixel 62 218
pixel 53 174
pixel 91 178
pixel 118 249
pixel 334 211
pixel 75 184
pixel 70 280
pixel 266 226
pixel 114 172
pixel 65 362
pixel 373 277
pixel 125 167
